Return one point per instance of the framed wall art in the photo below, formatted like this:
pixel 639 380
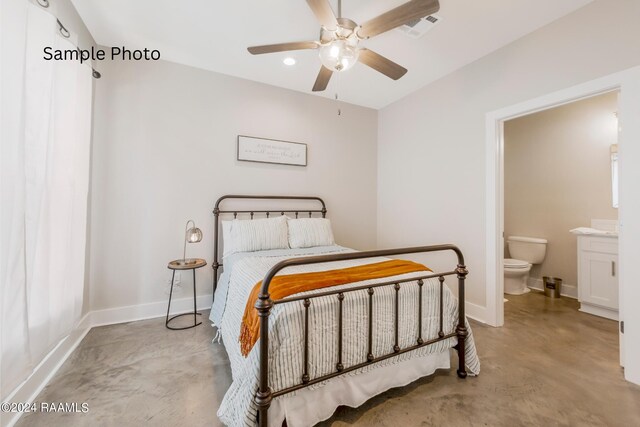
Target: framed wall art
pixel 263 150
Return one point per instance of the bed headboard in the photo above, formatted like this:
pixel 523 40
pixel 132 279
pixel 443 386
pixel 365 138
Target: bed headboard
pixel 250 213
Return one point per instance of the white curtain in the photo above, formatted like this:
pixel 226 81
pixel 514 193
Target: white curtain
pixel 44 211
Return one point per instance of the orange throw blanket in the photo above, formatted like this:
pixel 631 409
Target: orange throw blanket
pixel 289 284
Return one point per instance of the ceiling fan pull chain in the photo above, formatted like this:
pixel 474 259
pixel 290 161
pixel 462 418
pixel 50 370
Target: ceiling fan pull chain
pixel 337 89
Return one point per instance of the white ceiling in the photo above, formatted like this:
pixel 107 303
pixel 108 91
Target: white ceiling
pixel 214 35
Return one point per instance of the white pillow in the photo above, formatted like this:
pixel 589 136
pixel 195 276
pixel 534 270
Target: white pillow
pixel 227 241
pixel 309 232
pixel 259 234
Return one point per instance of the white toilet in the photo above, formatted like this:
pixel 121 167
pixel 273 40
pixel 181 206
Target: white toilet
pixel 525 251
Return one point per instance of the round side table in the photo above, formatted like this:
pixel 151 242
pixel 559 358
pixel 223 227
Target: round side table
pixel 188 264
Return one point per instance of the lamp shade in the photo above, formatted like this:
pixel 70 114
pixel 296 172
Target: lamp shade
pixel 194 235
pixel 191 235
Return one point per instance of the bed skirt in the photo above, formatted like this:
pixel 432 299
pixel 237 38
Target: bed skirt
pixel 310 406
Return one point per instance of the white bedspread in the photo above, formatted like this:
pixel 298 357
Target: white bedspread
pixel 286 327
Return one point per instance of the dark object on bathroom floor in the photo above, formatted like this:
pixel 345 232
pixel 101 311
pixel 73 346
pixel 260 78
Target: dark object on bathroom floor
pixel 552 286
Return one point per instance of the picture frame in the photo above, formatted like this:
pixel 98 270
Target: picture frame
pixel 274 151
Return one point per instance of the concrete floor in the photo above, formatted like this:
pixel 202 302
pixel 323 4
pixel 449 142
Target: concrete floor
pixel 549 365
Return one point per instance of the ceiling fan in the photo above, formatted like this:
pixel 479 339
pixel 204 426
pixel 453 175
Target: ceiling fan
pixel 339 39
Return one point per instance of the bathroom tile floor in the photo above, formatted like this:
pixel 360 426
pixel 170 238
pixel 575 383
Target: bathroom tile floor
pixel 549 365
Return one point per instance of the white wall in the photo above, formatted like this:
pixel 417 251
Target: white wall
pixel 431 144
pixel 431 148
pixel 165 150
pixel 557 176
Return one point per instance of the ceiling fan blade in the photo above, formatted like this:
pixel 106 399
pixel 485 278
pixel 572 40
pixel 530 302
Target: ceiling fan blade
pixel 322 80
pixel 282 47
pixel 381 64
pixel 409 11
pixel 324 13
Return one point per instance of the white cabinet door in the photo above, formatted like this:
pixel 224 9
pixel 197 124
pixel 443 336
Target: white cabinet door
pixel 600 279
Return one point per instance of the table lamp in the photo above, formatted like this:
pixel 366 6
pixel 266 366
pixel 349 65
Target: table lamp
pixel 191 235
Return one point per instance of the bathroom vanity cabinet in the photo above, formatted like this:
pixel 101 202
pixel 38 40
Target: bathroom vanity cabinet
pixel 598 274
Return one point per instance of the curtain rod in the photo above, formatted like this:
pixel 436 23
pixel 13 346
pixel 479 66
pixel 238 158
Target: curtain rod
pixel 65 33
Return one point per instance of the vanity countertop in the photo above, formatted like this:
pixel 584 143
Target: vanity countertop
pixel 588 231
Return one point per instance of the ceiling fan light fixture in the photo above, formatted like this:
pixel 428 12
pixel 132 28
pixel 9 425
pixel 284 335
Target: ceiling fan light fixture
pixel 338 55
pixel 340 37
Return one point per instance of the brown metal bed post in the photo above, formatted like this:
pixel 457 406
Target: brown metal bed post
pixel 263 396
pixel 214 264
pixel 461 329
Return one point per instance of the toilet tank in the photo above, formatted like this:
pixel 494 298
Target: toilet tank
pixel 528 249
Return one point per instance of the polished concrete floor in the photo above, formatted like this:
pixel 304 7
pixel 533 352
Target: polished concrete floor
pixel 549 365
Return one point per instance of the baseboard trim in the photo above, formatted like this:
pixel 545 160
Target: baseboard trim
pixel 476 312
pixel 42 374
pixel 133 313
pixel 595 310
pixel 29 390
pixel 569 291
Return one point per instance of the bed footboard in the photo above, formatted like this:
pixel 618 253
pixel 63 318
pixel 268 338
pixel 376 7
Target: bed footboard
pixel 264 305
pixel 315 206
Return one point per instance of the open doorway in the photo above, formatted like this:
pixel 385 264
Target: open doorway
pixel 495 243
pixel 560 174
pixel 561 214
pixel 628 83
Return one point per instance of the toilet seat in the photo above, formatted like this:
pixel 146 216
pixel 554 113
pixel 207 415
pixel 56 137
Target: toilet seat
pixel 515 264
pixel 516 276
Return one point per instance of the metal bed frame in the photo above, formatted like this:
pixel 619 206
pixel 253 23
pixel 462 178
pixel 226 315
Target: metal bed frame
pixel 265 395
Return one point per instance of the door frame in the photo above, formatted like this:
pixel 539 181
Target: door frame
pixel 495 180
pixel 628 83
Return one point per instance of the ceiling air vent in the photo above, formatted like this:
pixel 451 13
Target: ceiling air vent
pixel 418 27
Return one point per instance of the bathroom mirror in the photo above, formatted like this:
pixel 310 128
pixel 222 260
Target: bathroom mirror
pixel 614 175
